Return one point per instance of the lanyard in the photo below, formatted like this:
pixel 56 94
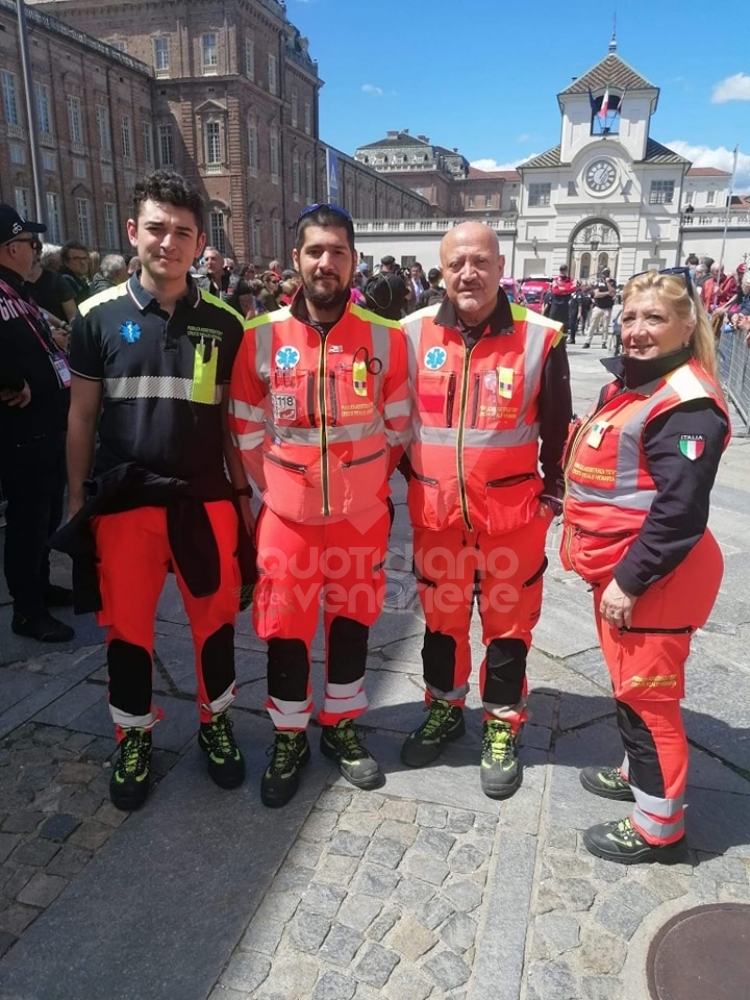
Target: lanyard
pixel 32 307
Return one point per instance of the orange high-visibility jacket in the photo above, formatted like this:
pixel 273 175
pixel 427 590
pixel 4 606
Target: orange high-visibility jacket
pixel 321 422
pixel 609 489
pixel 474 453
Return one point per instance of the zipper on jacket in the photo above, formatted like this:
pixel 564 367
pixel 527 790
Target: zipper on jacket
pixel 602 534
pixel 311 398
pixel 685 630
pixel 450 398
pixel 425 479
pixel 460 439
pixel 362 461
pixel 323 427
pixel 334 399
pixel 511 480
pixel 475 405
pixel 293 466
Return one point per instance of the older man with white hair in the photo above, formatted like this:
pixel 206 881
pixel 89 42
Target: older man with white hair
pixel 491 404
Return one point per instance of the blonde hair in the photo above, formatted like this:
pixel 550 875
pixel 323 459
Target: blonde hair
pixel 672 290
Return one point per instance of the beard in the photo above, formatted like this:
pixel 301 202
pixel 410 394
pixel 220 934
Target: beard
pixel 330 297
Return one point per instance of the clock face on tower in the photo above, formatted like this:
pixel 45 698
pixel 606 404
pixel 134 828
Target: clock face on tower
pixel 601 175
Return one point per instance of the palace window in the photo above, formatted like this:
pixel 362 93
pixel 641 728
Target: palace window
pixel 662 193
pixel 539 194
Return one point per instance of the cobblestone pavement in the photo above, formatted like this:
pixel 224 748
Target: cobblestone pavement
pixel 379 897
pixel 425 889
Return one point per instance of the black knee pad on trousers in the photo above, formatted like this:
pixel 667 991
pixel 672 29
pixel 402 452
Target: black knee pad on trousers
pixel 217 661
pixel 347 650
pixel 129 677
pixel 439 660
pixel 643 760
pixel 505 671
pixel 288 669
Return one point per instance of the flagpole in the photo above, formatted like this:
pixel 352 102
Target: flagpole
pixel 726 214
pixel 28 86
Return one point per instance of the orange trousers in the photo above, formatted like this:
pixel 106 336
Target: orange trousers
pixel 503 573
pixel 647 666
pixel 134 558
pixel 340 563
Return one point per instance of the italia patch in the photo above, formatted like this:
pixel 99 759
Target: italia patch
pixel 505 382
pixel 359 378
pixel 596 434
pixel 692 445
pixel 435 358
pixel 287 357
pixel 130 331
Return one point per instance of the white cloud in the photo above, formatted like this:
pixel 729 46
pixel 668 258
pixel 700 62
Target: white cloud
pixel 489 164
pixel 523 137
pixel 732 88
pixel 369 88
pixel 721 158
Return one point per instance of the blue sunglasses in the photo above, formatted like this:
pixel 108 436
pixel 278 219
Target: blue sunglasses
pixel 331 208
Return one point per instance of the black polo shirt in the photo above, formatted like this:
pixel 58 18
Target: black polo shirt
pixel 163 379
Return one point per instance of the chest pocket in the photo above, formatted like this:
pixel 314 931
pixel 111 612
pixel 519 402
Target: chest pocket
pixel 436 398
pixel 353 393
pixel 495 397
pixel 292 397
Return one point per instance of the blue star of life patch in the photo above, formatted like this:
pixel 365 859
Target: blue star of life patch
pixel 435 358
pixel 287 357
pixel 130 331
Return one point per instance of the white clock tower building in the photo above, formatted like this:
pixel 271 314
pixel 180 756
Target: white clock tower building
pixel 608 195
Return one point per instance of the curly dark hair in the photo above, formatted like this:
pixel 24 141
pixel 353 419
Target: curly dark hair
pixel 168 188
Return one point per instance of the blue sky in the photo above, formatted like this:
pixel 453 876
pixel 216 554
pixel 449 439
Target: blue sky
pixel 482 75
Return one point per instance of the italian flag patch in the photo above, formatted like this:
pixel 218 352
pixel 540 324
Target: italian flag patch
pixel 692 445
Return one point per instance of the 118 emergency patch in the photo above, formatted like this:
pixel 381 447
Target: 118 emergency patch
pixel 692 445
pixel 284 406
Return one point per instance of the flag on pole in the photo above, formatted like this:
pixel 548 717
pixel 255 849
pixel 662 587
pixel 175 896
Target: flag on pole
pixel 618 109
pixel 605 104
pixel 592 102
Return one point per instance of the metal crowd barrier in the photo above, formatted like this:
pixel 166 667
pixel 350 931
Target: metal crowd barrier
pixel 734 373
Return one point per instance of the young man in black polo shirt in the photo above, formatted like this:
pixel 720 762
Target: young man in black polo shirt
pixel 150 361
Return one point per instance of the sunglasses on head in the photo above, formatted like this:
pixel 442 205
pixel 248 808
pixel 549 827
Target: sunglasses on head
pixel 331 208
pixel 677 272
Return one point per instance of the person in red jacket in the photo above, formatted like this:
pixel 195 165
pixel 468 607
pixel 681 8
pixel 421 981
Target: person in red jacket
pixel 320 413
pixel 639 473
pixel 491 391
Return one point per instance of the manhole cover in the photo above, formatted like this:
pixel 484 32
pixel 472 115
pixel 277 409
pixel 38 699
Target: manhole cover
pixel 702 954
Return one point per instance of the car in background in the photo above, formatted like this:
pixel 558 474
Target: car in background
pixel 512 289
pixel 534 290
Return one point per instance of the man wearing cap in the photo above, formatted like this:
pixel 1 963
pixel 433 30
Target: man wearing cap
pixel 386 293
pixel 433 293
pixel 604 299
pixel 491 392
pixel 34 395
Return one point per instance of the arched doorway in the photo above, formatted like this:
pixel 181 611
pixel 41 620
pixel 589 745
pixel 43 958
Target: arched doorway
pixel 594 244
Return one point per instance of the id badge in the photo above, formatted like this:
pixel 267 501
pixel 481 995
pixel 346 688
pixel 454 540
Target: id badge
pixel 60 364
